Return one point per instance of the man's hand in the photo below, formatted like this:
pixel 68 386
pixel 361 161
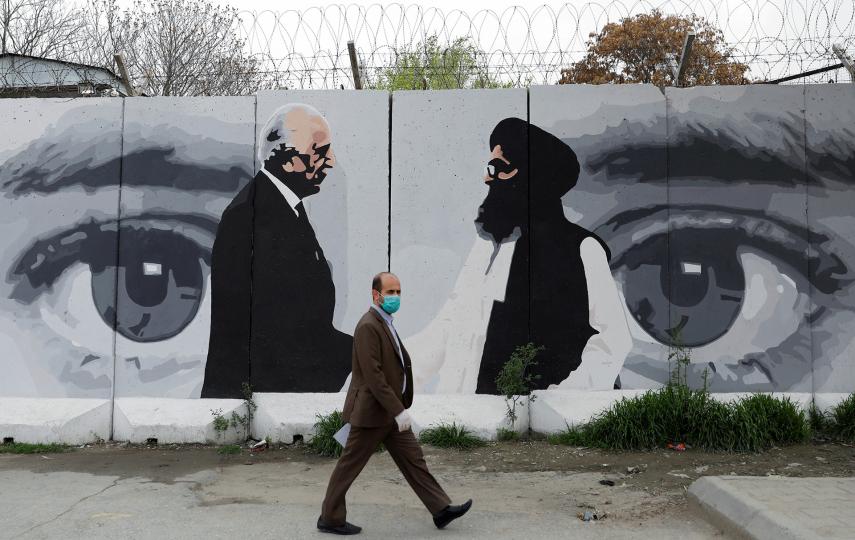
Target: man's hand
pixel 404 421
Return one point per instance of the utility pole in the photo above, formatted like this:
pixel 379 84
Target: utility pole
pixel 679 69
pixel 845 59
pixel 123 73
pixel 354 65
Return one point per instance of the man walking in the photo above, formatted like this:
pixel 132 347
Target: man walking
pixel 380 392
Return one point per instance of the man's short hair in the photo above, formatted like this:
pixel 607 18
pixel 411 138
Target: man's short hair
pixel 377 282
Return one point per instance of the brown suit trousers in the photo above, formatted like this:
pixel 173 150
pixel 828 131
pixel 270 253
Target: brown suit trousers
pixel 373 400
pixel 408 456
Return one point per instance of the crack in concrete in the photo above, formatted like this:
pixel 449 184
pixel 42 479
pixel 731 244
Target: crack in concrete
pixel 69 509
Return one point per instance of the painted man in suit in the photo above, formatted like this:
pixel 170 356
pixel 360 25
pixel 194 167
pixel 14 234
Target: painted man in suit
pixel 376 410
pixel 273 296
pixel 560 292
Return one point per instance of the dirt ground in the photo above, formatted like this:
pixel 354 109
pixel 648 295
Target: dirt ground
pixel 647 485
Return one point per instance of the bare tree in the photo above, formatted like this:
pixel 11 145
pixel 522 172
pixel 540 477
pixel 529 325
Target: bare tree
pixel 173 47
pixel 48 28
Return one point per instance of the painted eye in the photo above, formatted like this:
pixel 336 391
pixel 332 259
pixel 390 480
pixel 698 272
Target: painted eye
pixel 695 296
pixel 735 288
pixel 152 294
pixel 491 171
pixel 159 285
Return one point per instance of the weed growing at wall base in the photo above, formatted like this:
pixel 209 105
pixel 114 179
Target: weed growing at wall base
pixel 676 413
pixel 451 436
pixel 837 423
pixel 322 442
pixel 27 448
pixel 843 419
pixel 679 414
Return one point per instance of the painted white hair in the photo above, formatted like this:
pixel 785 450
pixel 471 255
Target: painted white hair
pixel 276 123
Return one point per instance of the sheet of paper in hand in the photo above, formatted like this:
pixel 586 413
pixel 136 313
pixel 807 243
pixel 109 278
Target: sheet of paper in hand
pixel 342 434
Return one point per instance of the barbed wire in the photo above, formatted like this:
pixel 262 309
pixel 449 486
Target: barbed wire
pixel 307 48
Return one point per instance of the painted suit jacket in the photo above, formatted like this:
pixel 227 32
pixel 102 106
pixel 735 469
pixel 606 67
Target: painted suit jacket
pixel 273 300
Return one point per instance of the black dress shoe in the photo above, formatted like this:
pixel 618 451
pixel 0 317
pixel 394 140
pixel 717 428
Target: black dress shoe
pixel 451 512
pixel 347 528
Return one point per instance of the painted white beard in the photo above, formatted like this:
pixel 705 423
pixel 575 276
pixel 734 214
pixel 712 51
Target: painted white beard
pixel 449 349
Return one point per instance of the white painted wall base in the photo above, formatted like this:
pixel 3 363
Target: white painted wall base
pixel 282 416
pixel 172 420
pixel 481 414
pixel 54 420
pixel 553 410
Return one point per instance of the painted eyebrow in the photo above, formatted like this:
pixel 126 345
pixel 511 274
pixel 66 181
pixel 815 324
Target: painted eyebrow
pixel 716 154
pixel 152 167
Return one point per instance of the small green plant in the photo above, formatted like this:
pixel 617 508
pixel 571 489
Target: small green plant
pixel 505 434
pixel 29 448
pixel 221 423
pixel 323 442
pixel 515 381
pixel 228 449
pixel 244 420
pixel 819 420
pixel 842 419
pixel 451 436
pixel 679 359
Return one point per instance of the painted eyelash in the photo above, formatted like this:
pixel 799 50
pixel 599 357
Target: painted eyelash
pixel 45 260
pixel 766 233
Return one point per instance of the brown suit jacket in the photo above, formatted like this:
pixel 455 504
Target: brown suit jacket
pixel 374 397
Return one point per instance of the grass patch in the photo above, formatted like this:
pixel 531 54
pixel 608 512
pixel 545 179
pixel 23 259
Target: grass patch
pixel 323 442
pixel 27 448
pixel 451 436
pixel 228 449
pixel 840 421
pixel 677 413
pixel 505 434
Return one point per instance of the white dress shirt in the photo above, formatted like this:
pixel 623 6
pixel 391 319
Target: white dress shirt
pixel 388 318
pixel 290 196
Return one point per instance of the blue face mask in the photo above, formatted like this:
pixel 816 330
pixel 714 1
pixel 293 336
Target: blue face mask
pixel 391 304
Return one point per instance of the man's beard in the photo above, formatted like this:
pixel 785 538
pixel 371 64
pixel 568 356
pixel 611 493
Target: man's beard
pixel 503 214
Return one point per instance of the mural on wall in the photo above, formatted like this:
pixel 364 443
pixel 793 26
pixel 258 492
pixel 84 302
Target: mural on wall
pixel 610 223
pixel 59 199
pixel 183 161
pixel 292 245
pixel 572 309
pixel 266 251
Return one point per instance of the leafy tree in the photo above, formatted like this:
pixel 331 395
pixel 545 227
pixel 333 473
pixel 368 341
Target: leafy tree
pixel 427 66
pixel 635 51
pixel 173 47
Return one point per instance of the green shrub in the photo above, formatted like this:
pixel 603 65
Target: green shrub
pixel 842 419
pixel 516 380
pixel 450 436
pixel 28 448
pixel 505 434
pixel 323 442
pixel 677 413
